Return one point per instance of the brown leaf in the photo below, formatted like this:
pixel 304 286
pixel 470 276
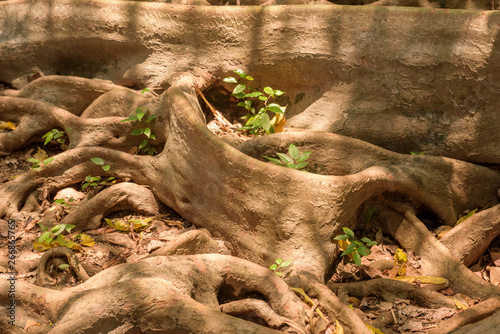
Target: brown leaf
pixel 41 155
pixel 494 275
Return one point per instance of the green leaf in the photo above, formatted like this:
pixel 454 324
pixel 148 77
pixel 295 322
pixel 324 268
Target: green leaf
pixel 48 161
pixel 304 156
pixel 365 240
pixel 269 91
pixel 357 258
pixel 58 229
pixel 265 122
pixel 470 214
pixel 33 160
pixel 273 266
pixel 363 250
pixel 278 261
pixel 279 274
pixel 275 110
pixel 44 237
pixel 416 153
pixel 230 80
pixel 278 92
pixel 59 201
pixel 106 168
pixel 293 152
pixel 130 118
pixel 43 227
pixel 263 98
pixel 49 136
pixel 143 144
pixel 349 249
pixel 240 95
pixel 276 161
pixel 285 158
pixel 137 132
pixel 348 231
pixel 371 243
pixel 291 165
pixel 147 132
pixel 63 266
pixel 239 89
pixel 341 237
pixel 248 104
pixel 249 78
pixel 241 104
pixel 286 263
pixel 241 73
pixel 140 115
pixel 145 90
pixel 150 118
pixel 302 164
pixel 97 161
pixel 253 94
pixel 69 227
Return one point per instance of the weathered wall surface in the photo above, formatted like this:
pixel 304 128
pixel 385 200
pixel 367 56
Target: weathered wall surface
pixel 407 79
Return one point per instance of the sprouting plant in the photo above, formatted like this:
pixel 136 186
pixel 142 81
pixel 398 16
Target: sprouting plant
pixel 63 202
pixel 95 180
pixel 138 116
pixel 258 122
pixel 353 247
pixel 294 159
pixel 56 135
pixel 39 158
pixel 279 263
pixel 53 237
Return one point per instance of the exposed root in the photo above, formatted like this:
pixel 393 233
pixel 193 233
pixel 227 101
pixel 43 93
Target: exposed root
pixel 390 290
pixel 255 308
pixel 124 196
pixel 469 240
pixel 190 243
pixel 473 314
pixel 55 257
pixel 334 306
pixel 436 259
pixel 178 292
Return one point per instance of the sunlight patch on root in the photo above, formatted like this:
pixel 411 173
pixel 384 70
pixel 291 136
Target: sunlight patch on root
pixel 190 243
pixel 125 196
pixel 391 290
pixel 469 240
pixel 400 222
pixel 55 257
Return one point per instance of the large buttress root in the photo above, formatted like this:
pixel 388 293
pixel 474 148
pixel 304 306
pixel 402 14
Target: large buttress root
pixel 180 293
pixel 260 210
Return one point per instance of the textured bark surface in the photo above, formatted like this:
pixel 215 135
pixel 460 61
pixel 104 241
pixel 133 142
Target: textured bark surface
pixel 359 81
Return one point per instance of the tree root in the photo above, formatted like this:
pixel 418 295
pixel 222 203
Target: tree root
pixel 436 260
pixel 124 196
pixel 473 314
pixel 469 240
pixel 180 293
pixel 55 257
pixel 390 290
pixel 190 243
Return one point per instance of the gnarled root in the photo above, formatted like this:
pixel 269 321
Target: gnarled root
pixel 55 257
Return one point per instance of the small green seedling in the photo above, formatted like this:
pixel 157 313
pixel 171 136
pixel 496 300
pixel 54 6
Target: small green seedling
pixel 56 135
pixel 416 153
pixel 355 248
pixel 36 164
pixel 63 202
pixel 55 233
pixel 257 122
pixel 294 159
pixel 279 263
pixel 139 115
pixel 95 180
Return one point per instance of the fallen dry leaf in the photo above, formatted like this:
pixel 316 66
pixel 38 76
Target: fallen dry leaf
pixel 494 275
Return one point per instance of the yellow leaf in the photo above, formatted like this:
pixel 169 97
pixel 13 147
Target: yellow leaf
pixel 442 230
pixel 124 225
pixel 402 270
pixel 13 177
pixel 343 245
pixel 303 294
pixel 374 330
pixel 400 257
pixel 41 246
pixel 86 240
pixel 459 304
pixel 41 155
pixel 278 122
pixel 407 279
pixel 338 327
pixel 470 214
pixel 7 125
pixel 432 280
